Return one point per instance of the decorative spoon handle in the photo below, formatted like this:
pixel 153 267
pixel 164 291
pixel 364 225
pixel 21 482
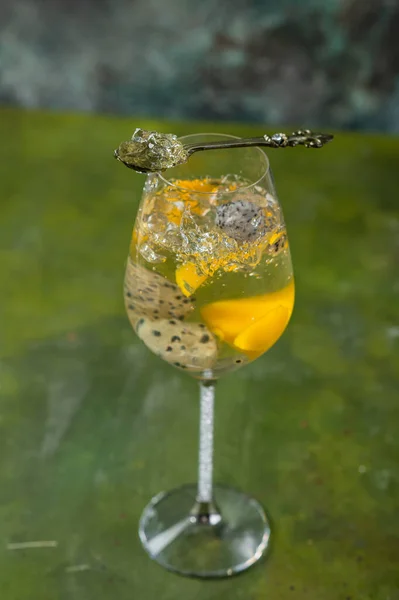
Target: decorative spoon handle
pixel 303 137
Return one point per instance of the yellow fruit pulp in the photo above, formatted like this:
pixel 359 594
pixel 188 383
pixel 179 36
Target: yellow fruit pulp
pixel 188 279
pixel 253 324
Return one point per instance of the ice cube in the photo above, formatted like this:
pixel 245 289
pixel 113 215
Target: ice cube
pixel 150 255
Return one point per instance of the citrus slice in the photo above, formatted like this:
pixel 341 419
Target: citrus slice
pixel 188 279
pixel 263 333
pixel 229 318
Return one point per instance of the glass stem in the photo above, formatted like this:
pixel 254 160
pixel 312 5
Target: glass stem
pixel 205 466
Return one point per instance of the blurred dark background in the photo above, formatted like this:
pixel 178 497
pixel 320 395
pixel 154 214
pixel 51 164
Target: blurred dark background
pixel 331 63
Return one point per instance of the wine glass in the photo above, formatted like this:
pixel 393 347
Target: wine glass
pixel 209 288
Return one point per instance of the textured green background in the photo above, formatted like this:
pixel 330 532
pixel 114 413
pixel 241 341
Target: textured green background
pixel 92 425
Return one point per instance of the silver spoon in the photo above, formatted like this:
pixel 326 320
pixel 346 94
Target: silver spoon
pixel 150 151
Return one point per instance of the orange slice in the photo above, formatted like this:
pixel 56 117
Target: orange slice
pixel 188 279
pixel 230 318
pixel 263 333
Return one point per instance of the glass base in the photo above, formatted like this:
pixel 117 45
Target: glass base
pixel 199 540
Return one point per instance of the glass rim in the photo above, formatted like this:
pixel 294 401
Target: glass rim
pixel 221 135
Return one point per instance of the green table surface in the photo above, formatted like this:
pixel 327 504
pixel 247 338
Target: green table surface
pixel 92 425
